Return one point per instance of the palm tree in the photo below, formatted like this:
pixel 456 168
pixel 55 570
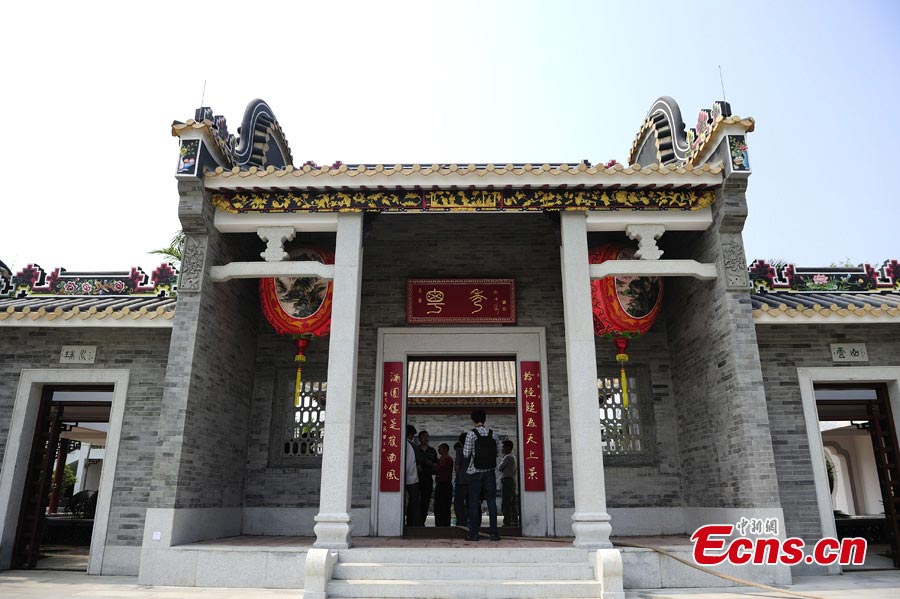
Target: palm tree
pixel 175 251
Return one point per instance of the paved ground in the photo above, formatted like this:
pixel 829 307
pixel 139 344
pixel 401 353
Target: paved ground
pixel 36 584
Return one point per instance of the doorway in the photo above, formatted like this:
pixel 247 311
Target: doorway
pixel 526 347
pixel 20 442
pixel 441 394
pixel 860 454
pixel 62 480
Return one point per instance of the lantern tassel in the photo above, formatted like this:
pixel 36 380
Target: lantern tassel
pixel 300 358
pixel 621 358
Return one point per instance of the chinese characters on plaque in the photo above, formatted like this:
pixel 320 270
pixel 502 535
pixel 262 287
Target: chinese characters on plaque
pixel 460 301
pixel 849 352
pixel 391 437
pixel 78 354
pixel 532 428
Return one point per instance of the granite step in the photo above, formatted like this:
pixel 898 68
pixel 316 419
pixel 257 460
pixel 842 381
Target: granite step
pixel 464 555
pixel 464 589
pixel 470 571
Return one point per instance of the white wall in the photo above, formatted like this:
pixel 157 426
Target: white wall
pixel 862 472
pixel 842 496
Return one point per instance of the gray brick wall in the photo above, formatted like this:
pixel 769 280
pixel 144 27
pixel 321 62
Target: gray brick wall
pixel 657 484
pixel 459 246
pixel 723 424
pixel 142 351
pixel 523 246
pixel 204 425
pixel 783 349
pixel 447 427
pixel 270 483
pixel 492 246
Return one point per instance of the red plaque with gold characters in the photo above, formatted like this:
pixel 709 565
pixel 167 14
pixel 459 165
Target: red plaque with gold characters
pixel 461 301
pixel 391 438
pixel 532 428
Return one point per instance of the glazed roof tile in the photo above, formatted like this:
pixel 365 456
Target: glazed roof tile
pixel 91 308
pixel 837 306
pixel 462 379
pixel 486 171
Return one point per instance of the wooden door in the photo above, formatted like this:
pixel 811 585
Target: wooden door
pixel 32 516
pixel 887 462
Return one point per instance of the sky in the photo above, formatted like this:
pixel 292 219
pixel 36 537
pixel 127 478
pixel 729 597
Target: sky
pixel 88 92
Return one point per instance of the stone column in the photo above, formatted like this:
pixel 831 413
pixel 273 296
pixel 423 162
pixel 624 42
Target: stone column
pixel 333 521
pixel 590 523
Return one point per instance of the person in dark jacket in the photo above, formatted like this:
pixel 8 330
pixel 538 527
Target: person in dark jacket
pixel 413 459
pixel 461 492
pixel 426 474
pixel 443 486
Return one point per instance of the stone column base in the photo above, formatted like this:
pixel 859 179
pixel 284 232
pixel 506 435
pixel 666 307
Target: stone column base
pixel 332 531
pixel 591 530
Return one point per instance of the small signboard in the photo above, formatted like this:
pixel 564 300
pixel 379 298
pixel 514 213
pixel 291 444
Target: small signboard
pixel 78 354
pixel 391 439
pixel 461 301
pixel 849 352
pixel 532 428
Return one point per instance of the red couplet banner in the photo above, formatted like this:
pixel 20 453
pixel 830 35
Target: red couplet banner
pixel 532 427
pixel 460 301
pixel 391 438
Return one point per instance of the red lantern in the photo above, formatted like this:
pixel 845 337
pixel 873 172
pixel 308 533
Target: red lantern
pixel 625 306
pixel 299 306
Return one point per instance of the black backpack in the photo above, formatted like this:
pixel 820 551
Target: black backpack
pixel 485 457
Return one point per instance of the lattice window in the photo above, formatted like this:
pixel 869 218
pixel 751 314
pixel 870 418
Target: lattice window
pixel 627 432
pixel 304 423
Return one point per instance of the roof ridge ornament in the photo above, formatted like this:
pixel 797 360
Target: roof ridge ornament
pixel 662 137
pixel 769 277
pixel 34 281
pixel 207 144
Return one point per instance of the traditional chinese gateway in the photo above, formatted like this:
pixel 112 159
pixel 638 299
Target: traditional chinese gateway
pixel 251 432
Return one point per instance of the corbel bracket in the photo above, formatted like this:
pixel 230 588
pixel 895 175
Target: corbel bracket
pixel 275 237
pixel 646 236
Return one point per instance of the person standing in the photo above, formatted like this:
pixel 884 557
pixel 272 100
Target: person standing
pixel 426 474
pixel 481 447
pixel 461 493
pixel 507 469
pixel 443 486
pixel 413 499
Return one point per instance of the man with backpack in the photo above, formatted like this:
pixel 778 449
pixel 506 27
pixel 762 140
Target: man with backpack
pixel 481 447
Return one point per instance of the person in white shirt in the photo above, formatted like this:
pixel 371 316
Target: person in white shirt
pixel 481 446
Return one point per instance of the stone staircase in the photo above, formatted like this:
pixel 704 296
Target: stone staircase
pixel 464 573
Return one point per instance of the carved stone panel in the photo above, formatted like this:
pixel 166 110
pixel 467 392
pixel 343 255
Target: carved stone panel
pixel 734 261
pixel 193 263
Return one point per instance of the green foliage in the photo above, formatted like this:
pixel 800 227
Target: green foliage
pixel 68 480
pixel 845 263
pixel 175 250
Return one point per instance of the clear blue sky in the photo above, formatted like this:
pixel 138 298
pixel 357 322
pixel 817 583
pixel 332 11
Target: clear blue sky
pixel 88 96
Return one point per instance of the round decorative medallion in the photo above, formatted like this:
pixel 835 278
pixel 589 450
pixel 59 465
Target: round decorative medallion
pixel 624 306
pixel 299 305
